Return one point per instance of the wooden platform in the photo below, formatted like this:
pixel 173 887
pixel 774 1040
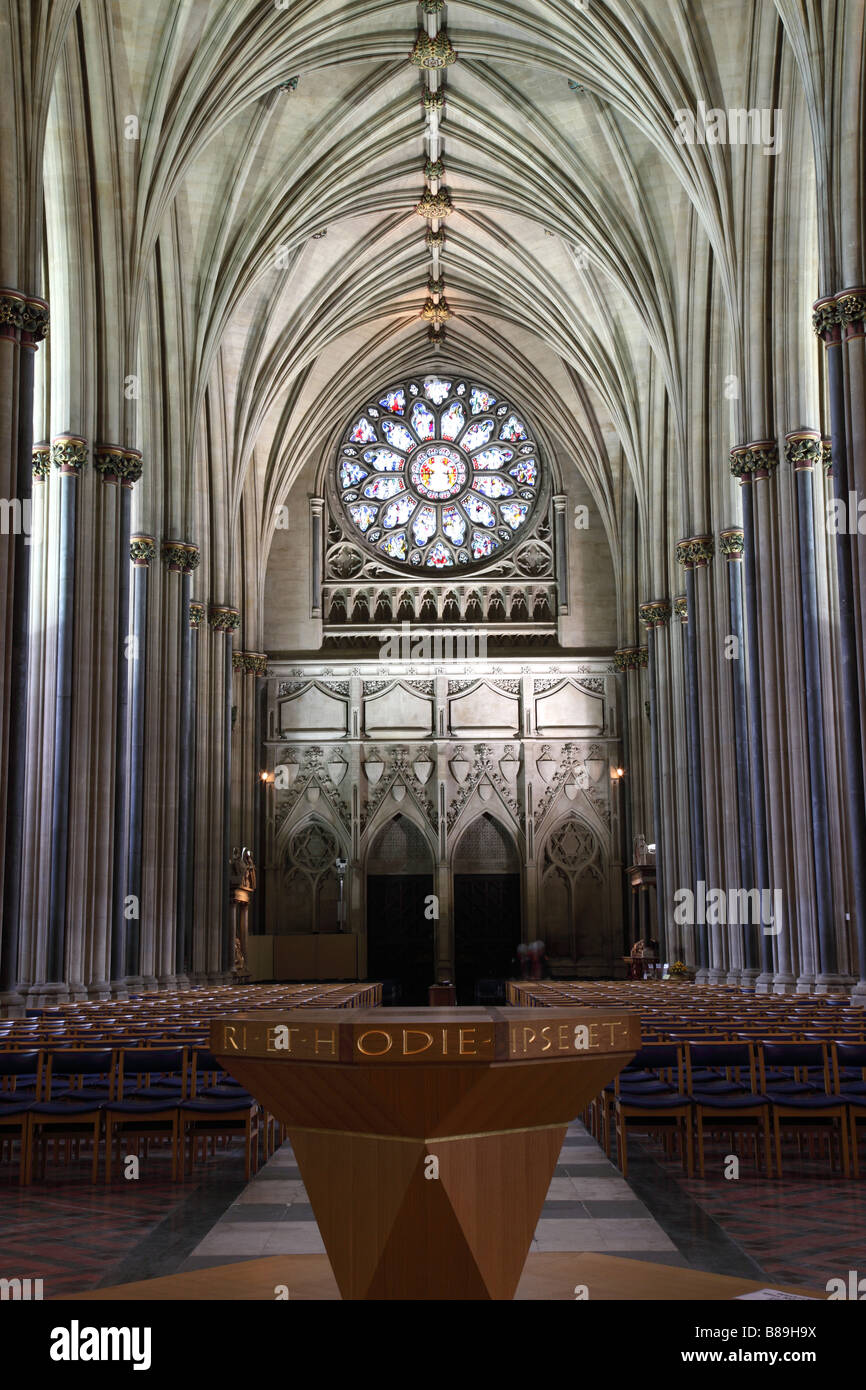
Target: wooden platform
pixel 546 1278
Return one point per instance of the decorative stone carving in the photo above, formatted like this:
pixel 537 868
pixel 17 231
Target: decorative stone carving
pixel 435 240
pixel 803 449
pixel 432 53
pixel 656 613
pixel 681 608
pixel 434 169
pixel 41 461
pixel 423 766
pixel 292 687
pixel 732 543
pixel 825 318
pixel 434 205
pixel 695 552
pixel 373 766
pixel 757 460
pixel 546 764
pixel 69 453
pixel 223 619
pixel 250 663
pixel 108 462
pixel 180 556
pixel 851 307
pixel 827 456
pixel 337 769
pixel 630 659
pixel 142 550
pixel 196 614
pixel 460 765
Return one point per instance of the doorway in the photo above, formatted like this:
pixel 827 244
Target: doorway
pixel 487 909
pixel 400 926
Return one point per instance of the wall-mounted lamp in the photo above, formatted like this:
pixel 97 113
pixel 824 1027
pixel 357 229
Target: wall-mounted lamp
pixel 266 777
pixel 617 773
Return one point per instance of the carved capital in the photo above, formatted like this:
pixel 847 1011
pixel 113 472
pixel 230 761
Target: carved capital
pixel 732 543
pixel 109 462
pixel 803 449
pixel 142 549
pixel 434 240
pixel 35 318
pixel 196 614
pixel 756 460
pixel 180 556
pixel 223 619
pixel 69 453
pixel 696 552
pixel 825 319
pixel 851 309
pixel 434 169
pixel 250 663
pixel 41 461
pixel 827 456
pixel 630 658
pixel 656 613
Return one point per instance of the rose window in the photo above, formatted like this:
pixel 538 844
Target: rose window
pixel 438 472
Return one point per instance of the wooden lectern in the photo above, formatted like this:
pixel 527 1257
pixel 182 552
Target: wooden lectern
pixel 426 1138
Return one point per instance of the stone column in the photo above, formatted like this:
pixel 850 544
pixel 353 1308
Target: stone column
pixel 803 451
pixel 142 550
pixel 68 456
pixel 827 323
pixel 656 615
pixel 317 553
pixel 628 663
pixel 745 459
pixel 691 553
pixel 196 616
pixel 560 536
pixel 23 325
pixel 180 557
pixel 123 467
pixel 226 620
pixel 732 546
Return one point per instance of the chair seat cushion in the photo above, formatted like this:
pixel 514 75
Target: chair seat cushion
pixel 218 1107
pixel 652 1101
pixel 141 1107
pixel 67 1107
pixel 714 1100
pixel 21 1107
pixel 786 1101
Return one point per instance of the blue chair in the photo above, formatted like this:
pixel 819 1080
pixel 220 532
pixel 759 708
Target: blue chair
pixel 17 1100
pixel 722 1083
pixel 151 1086
pixel 807 1105
pixel 849 1082
pixel 652 1106
pixel 68 1110
pixel 221 1110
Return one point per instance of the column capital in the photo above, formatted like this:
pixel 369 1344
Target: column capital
pixel 756 460
pixel 656 613
pixel 851 311
pixel 250 663
pixel 560 503
pixel 803 449
pixel 695 552
pixel 681 608
pixel 732 542
pixel 223 618
pixel 197 613
pixel 109 461
pixel 142 549
pixel 132 468
pixel 825 320
pixel 181 557
pixel 630 658
pixel 827 456
pixel 24 312
pixel 432 53
pixel 69 453
pixel 41 461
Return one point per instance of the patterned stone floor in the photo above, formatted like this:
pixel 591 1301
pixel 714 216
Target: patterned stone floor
pixel 588 1207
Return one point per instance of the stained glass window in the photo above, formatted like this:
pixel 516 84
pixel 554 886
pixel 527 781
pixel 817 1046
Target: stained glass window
pixel 434 460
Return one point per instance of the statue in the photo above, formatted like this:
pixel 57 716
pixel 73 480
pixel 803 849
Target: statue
pixel 641 853
pixel 243 885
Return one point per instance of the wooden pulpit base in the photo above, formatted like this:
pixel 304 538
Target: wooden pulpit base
pixel 426 1138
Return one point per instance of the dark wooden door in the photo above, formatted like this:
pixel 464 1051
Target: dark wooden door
pixel 400 941
pixel 486 929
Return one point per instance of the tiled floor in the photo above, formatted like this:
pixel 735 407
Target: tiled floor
pixel 74 1236
pixel 588 1207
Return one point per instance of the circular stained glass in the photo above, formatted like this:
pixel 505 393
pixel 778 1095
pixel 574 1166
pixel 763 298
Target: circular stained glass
pixel 438 473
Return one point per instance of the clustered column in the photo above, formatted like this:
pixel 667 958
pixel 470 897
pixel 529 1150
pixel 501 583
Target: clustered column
pixel 226 620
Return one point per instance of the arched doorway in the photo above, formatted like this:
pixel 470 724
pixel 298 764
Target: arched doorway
pixel 573 904
pixel 400 921
pixel 486 905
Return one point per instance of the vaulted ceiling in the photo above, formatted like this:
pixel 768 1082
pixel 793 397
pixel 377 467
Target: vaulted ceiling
pixel 259 259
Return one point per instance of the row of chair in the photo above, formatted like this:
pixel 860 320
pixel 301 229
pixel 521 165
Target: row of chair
pixel 682 1090
pixel 120 1099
